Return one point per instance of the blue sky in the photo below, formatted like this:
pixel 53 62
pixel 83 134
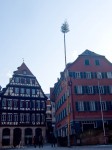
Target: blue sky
pixel 30 29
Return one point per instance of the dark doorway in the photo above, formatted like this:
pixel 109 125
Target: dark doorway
pixel 6 137
pixel 28 136
pixel 38 132
pixel 16 136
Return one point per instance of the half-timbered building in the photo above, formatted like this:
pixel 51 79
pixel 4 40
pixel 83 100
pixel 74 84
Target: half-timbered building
pixel 22 109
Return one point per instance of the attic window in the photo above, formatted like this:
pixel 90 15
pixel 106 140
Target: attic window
pixel 87 62
pixel 24 71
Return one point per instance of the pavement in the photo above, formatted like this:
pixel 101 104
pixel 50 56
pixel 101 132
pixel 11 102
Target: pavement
pixel 48 147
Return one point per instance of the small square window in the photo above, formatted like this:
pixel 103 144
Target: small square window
pixel 97 63
pixel 87 62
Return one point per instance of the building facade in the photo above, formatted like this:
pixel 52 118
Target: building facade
pixel 83 98
pixel 22 109
pixel 49 128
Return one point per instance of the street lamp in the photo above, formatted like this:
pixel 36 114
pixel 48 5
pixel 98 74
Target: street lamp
pixel 64 30
pixel 104 134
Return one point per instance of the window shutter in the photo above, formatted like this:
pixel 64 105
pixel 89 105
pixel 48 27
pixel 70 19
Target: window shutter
pixel 75 89
pixel 84 75
pixel 74 74
pixel 97 105
pixel 70 74
pixel 81 74
pixel 76 104
pixel 86 106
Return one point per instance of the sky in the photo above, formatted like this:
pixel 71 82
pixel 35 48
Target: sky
pixel 30 30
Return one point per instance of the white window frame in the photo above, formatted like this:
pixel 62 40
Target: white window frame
pixel 3 118
pixel 101 89
pixel 109 75
pixel 77 75
pixel 88 75
pixel 92 106
pixel 104 106
pixel 90 89
pixel 99 75
pixel 9 117
pixel 79 89
pixel 15 117
pixel 81 106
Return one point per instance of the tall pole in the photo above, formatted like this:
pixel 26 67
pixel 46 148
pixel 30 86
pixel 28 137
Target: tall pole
pixel 65 29
pixel 104 134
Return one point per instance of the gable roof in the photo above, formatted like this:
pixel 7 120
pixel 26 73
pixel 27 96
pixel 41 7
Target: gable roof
pixel 89 53
pixel 23 70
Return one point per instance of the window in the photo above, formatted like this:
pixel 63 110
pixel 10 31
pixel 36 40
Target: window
pixel 33 92
pixel 101 89
pixel 87 62
pixel 99 75
pixel 79 89
pixel 38 104
pixel 17 80
pixel 15 118
pixel 109 75
pixel 9 103
pixel 9 117
pixel 27 105
pixel 21 117
pixel 42 104
pixel 90 89
pixel 77 75
pixel 97 63
pixel 15 103
pixel 110 89
pixel 28 91
pixel 3 117
pixel 88 75
pixel 22 80
pixel 16 90
pixel 92 105
pixel 27 80
pixel 80 106
pixel 22 91
pixel 33 118
pixel 27 117
pixel 33 81
pixel 42 118
pixel 104 107
pixel 21 104
pixel 38 117
pixel 4 102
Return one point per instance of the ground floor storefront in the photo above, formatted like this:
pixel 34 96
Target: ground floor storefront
pixel 11 136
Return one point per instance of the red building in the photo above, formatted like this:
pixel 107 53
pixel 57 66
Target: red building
pixel 87 107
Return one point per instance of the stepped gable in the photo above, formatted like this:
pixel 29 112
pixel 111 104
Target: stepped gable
pixel 89 53
pixel 23 69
